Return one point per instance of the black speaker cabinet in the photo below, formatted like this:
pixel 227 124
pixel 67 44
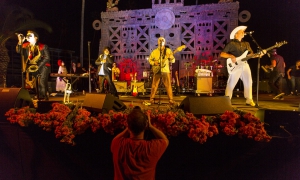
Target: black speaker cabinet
pixel 264 86
pixel 13 98
pixel 280 122
pixel 46 106
pixel 206 105
pixel 102 103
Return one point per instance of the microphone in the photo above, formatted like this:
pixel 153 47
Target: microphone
pixel 249 33
pixel 162 42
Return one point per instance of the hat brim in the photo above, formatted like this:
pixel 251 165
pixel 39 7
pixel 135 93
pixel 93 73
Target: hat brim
pixel 233 32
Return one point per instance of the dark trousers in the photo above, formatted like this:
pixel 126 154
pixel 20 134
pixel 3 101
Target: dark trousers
pixel 294 84
pixel 42 76
pixel 276 82
pixel 112 88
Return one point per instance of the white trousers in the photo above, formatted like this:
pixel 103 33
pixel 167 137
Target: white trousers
pixel 242 72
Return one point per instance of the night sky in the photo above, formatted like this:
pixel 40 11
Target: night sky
pixel 271 21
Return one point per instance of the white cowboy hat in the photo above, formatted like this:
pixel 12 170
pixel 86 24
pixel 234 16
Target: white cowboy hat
pixel 233 32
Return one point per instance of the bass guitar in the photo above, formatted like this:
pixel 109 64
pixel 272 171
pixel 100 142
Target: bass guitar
pixel 231 67
pixel 157 68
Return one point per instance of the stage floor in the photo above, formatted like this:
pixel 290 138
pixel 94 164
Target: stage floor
pixel 263 101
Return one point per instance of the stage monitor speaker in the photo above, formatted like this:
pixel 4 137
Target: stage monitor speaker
pixel 280 122
pixel 206 105
pixel 102 103
pixel 46 106
pixel 13 98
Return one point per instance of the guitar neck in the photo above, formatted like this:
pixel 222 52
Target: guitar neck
pixel 174 52
pixel 272 47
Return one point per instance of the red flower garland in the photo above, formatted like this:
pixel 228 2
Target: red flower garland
pixel 67 122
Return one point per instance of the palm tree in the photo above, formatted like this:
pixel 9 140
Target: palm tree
pixel 14 19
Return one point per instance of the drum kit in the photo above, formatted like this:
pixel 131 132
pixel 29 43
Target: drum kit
pixel 206 68
pixel 210 68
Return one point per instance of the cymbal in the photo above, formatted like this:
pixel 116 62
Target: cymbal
pixel 219 66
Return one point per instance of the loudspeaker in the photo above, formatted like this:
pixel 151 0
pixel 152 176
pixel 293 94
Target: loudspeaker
pixel 46 106
pixel 280 122
pixel 121 86
pixel 13 98
pixel 264 86
pixel 206 105
pixel 102 103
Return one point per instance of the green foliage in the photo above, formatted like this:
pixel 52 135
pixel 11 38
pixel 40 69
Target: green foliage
pixel 14 19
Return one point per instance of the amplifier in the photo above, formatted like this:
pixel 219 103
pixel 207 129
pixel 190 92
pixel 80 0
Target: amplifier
pixel 121 86
pixel 204 84
pixel 264 86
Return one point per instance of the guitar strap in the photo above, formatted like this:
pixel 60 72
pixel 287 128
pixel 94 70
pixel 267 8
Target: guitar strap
pixel 163 57
pixel 164 53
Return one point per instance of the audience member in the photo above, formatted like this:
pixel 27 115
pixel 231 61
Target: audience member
pixel 293 74
pixel 133 156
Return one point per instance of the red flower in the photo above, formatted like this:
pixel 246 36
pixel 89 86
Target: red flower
pixel 67 122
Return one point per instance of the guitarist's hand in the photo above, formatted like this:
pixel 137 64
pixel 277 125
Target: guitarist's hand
pixel 263 52
pixel 156 63
pixel 170 56
pixel 233 59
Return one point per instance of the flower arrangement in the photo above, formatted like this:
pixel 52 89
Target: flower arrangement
pixel 67 121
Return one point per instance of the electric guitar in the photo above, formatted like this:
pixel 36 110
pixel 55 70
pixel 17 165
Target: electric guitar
pixel 134 90
pixel 157 68
pixel 266 69
pixel 231 67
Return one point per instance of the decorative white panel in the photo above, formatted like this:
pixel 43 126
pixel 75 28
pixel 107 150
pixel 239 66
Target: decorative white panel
pixel 204 29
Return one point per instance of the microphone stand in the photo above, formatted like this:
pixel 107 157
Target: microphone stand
pixel 23 71
pixel 89 54
pixel 71 79
pixel 160 57
pixel 258 69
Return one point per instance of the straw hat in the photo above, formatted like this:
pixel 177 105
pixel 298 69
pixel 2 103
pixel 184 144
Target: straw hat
pixel 233 32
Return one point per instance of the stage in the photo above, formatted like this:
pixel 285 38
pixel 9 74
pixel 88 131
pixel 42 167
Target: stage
pixel 265 100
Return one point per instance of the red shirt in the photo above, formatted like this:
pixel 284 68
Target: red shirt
pixel 136 159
